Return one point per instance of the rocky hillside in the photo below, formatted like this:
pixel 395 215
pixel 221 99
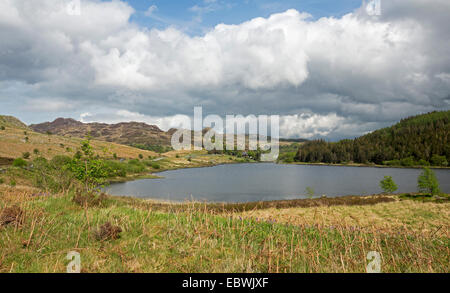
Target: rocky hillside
pixel 16 140
pixel 128 133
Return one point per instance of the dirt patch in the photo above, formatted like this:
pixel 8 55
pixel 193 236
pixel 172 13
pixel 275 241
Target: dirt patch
pixel 108 231
pixel 11 215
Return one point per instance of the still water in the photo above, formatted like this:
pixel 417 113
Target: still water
pixel 267 181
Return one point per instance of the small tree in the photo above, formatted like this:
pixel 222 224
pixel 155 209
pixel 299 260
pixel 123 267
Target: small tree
pixel 388 185
pixel 87 168
pixel 309 192
pixel 427 182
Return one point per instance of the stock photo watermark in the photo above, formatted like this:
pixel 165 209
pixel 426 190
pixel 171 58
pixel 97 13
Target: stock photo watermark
pixel 374 265
pixel 74 266
pixel 237 129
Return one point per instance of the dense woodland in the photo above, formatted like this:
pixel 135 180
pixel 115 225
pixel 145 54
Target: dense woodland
pixel 418 140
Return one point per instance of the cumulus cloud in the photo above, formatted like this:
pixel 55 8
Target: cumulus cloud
pixel 165 123
pixel 350 74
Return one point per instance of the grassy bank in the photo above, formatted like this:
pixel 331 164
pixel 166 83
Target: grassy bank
pixel 192 237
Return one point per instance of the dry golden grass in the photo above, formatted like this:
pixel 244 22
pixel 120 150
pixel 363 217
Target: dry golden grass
pixel 13 144
pixel 198 240
pixel 18 194
pixel 409 215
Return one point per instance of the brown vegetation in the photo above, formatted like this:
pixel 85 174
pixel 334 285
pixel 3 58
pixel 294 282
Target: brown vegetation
pixel 108 231
pixel 11 216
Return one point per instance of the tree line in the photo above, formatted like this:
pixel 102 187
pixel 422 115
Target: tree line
pixel 419 140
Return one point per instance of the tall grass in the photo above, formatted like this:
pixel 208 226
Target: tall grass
pixel 197 239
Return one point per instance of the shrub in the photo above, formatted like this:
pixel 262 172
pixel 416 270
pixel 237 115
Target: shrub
pixel 388 185
pixel 407 162
pixel 427 182
pixel 287 157
pixel 60 161
pixel 36 151
pixel 141 156
pixel 423 162
pixel 2 127
pixel 19 162
pixel 155 166
pixel 2 181
pixel 90 199
pixel 135 166
pixel 392 163
pixel 12 182
pixel 437 160
pixel 54 175
pixel 115 169
pixel 26 155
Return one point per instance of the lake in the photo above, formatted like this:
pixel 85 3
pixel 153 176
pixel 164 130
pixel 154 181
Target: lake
pixel 268 181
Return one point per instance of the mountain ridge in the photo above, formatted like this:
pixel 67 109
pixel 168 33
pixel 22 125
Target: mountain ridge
pixel 128 133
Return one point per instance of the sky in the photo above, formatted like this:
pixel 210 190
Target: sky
pixel 330 69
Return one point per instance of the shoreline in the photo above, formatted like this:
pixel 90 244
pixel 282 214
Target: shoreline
pixel 153 176
pixel 347 200
pixel 362 165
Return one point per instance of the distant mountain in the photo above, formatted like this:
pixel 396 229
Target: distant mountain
pixel 16 139
pixel 293 139
pixel 128 133
pixel 418 140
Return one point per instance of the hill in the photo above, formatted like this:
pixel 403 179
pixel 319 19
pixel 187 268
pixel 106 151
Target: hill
pixel 16 139
pixel 418 140
pixel 10 121
pixel 128 133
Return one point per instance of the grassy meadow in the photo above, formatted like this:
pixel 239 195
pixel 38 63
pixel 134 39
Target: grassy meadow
pixel 411 236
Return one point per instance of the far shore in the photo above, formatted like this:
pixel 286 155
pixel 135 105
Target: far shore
pixel 363 165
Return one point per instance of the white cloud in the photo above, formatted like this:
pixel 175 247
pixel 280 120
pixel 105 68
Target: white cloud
pixel 369 71
pixel 150 10
pixel 164 123
pixel 309 125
